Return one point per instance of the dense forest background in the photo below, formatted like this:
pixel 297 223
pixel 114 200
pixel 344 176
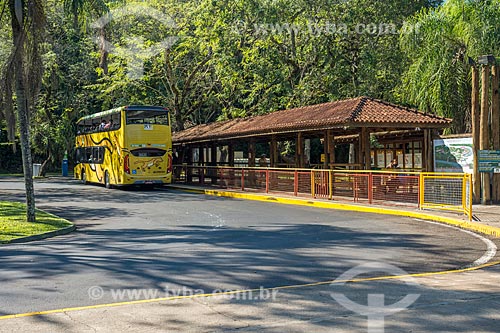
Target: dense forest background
pixel 235 58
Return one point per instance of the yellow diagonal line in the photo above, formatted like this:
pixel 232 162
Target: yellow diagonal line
pixel 233 292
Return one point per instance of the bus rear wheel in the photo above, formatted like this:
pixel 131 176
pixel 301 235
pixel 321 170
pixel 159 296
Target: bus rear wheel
pixel 106 180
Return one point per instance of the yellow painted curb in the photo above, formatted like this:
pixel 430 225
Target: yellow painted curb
pixel 472 226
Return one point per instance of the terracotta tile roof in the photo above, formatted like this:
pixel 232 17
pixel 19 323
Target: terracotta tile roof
pixel 355 112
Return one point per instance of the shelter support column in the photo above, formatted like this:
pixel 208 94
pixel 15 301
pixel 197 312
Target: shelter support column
pixel 230 161
pixel 475 115
pixel 299 151
pixel 201 171
pixel 495 126
pixel 359 155
pixel 251 154
pixel 352 153
pixel 273 153
pixel 484 133
pixel 328 149
pixel 428 150
pixel 251 162
pixel 202 155
pixel 213 162
pixel 189 171
pixel 230 154
pixel 331 148
pixel 365 148
pixel 364 156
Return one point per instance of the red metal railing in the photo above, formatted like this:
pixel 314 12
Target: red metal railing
pixel 359 186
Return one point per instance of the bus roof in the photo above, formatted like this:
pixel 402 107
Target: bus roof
pixel 144 108
pixel 119 109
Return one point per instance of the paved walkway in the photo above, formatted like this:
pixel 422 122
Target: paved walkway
pixel 489 215
pixel 486 218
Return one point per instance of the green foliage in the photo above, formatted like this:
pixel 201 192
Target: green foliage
pixel 10 162
pixel 240 58
pixel 439 47
pixel 69 67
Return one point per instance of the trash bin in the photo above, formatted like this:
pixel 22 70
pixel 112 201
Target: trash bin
pixel 65 168
pixel 65 165
pixel 36 169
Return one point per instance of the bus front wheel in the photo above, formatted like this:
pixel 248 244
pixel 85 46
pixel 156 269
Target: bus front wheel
pixel 106 180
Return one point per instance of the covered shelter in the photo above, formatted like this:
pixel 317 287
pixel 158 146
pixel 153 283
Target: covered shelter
pixel 371 131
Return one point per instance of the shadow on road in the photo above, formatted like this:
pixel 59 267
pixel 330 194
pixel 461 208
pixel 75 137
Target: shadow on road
pixel 212 257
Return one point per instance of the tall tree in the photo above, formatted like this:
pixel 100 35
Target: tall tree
pixel 69 65
pixel 83 11
pixel 22 75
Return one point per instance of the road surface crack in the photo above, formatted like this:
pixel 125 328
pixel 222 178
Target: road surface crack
pixel 80 322
pixel 212 308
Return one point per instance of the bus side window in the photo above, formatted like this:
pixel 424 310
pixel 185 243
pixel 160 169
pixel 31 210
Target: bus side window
pixel 88 155
pixel 79 155
pixel 97 155
pixel 116 123
pixel 101 154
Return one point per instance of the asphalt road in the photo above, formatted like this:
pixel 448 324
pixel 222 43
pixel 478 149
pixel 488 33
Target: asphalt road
pixel 158 239
pixel 170 242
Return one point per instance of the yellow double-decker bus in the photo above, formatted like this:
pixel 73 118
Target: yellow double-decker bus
pixel 130 145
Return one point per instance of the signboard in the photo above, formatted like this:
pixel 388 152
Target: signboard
pixel 489 161
pixel 417 162
pixel 453 155
pixel 381 159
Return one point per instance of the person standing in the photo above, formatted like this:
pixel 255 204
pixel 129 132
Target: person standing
pixel 392 180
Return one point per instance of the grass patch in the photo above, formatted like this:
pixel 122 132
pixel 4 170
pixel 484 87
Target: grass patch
pixel 13 222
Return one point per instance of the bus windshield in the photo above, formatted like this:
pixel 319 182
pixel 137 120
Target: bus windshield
pixel 147 117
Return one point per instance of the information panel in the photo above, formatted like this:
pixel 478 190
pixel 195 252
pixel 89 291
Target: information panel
pixel 489 161
pixel 453 155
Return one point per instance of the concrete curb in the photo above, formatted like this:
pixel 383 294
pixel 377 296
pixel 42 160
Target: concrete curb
pixel 45 235
pixel 472 226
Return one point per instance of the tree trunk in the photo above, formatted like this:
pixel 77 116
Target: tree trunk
pixel 179 123
pixel 103 61
pixel 23 120
pixel 43 168
pixel 19 36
